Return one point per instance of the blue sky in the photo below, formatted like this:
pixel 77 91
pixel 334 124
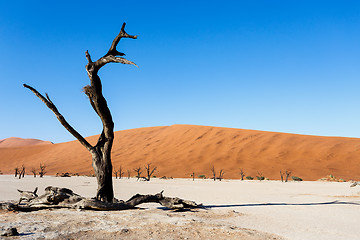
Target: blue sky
pixel 284 66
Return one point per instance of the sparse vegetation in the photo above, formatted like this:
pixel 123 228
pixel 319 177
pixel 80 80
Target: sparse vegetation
pixel 260 176
pixel 202 176
pixel 294 178
pixel 331 178
pixel 249 178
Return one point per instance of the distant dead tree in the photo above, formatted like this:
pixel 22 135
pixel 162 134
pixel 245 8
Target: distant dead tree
pixel 138 173
pixel 221 174
pixel 242 174
pixel 149 171
pixel 16 171
pixel 116 173
pixel 129 173
pixel 42 170
pixel 287 173
pixel 33 170
pixel 22 172
pixel 213 172
pixel 121 173
pixel 193 175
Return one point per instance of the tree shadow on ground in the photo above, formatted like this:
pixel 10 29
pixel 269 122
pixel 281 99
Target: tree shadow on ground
pixel 336 202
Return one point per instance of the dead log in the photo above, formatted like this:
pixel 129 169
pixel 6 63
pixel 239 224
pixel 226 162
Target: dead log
pixel 55 197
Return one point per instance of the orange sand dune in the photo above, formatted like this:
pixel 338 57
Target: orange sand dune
pixel 179 150
pixel 21 142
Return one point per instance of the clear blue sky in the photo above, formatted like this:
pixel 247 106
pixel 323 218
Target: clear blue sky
pixel 286 66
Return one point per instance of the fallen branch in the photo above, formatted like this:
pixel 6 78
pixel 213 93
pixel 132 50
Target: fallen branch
pixel 55 197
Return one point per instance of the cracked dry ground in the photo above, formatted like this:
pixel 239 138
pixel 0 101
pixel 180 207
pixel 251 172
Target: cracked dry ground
pixel 130 224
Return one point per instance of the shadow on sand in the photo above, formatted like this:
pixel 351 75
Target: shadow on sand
pixel 281 204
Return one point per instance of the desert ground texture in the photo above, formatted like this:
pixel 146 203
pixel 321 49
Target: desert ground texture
pixel 233 209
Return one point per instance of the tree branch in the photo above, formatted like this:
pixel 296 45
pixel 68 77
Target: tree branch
pixel 61 119
pixel 122 34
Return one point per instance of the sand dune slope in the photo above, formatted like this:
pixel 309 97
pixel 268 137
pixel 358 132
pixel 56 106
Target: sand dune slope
pixel 178 150
pixel 21 142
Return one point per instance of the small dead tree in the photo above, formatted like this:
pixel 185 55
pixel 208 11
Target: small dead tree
pixel 138 173
pixel 116 173
pixel 242 174
pixel 221 175
pixel 129 173
pixel 16 171
pixel 149 171
pixel 121 173
pixel 33 170
pixel 213 172
pixel 287 174
pixel 22 172
pixel 193 176
pixel 42 170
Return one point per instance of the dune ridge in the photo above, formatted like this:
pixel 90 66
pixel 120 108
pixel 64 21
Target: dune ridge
pixel 178 150
pixel 21 142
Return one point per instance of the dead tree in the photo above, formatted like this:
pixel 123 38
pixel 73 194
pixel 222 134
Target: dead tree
pixel 221 174
pixel 129 173
pixel 121 173
pixel 193 176
pixel 138 173
pixel 101 151
pixel 33 170
pixel 22 172
pixel 116 173
pixel 242 174
pixel 16 171
pixel 42 170
pixel 213 172
pixel 287 174
pixel 149 172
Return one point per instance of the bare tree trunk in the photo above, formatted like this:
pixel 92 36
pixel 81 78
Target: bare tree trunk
pixel 101 152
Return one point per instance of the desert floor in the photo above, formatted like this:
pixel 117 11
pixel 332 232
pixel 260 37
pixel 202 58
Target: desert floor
pixel 233 209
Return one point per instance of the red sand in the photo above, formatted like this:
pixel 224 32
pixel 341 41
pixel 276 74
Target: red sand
pixel 178 150
pixel 21 142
